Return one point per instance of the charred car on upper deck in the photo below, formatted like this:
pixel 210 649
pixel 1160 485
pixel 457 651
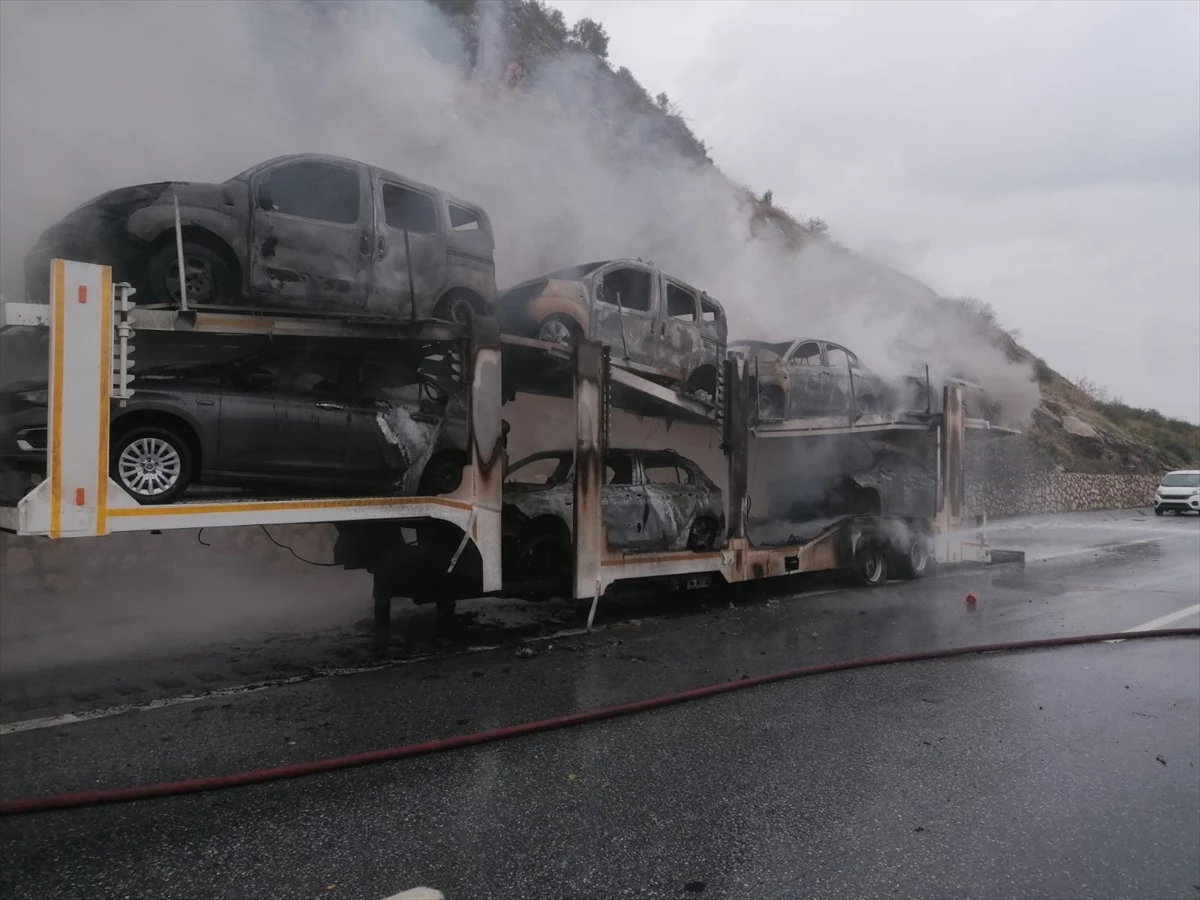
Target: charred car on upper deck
pixel 650 500
pixel 661 326
pixel 309 234
pixel 816 377
pixel 308 420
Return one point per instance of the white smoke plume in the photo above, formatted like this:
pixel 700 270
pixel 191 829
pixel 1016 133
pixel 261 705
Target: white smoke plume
pixel 96 95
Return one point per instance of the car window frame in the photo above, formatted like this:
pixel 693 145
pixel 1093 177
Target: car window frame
pixel 365 203
pixel 668 283
pixel 655 289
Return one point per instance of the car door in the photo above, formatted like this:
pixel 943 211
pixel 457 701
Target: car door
pixel 625 312
pixel 671 498
pixel 623 502
pixel 680 346
pixel 410 251
pixel 807 377
pixel 852 388
pixel 312 236
pixel 284 419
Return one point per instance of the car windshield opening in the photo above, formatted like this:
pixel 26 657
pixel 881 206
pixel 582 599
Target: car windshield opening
pixel 549 469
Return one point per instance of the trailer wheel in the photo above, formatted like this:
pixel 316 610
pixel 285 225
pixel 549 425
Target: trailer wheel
pixel 870 563
pixel 916 563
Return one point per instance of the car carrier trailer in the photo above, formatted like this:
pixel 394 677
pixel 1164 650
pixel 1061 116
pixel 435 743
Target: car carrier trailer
pixel 92 363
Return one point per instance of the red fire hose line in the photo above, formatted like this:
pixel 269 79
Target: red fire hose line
pixel 296 770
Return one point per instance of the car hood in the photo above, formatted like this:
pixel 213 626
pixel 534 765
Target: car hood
pixel 535 500
pixel 112 208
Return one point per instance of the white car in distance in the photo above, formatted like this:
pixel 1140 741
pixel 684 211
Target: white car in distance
pixel 1179 491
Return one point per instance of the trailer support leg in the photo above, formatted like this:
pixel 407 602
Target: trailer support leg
pixel 592 611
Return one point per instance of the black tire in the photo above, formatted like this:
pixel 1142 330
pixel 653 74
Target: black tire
pixel 209 280
pixel 704 535
pixel 151 463
pixel 561 330
pixel 545 552
pixel 456 308
pixel 1158 511
pixel 914 562
pixel 870 563
pixel 442 475
pixel 770 403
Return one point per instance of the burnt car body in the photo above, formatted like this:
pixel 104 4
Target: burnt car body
pixel 890 484
pixel 303 233
pixel 304 421
pixel 814 377
pixel 650 500
pixel 663 327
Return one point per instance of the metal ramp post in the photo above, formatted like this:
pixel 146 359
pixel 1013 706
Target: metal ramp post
pixel 588 532
pixel 737 441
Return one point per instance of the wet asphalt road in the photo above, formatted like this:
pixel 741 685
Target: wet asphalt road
pixel 1058 773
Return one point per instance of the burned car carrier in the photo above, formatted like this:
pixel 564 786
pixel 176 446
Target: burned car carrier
pixel 604 516
pixel 317 235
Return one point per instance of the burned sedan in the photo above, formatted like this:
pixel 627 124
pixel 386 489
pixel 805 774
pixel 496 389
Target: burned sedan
pixel 659 325
pixel 298 422
pixel 809 377
pixel 304 233
pixel 651 500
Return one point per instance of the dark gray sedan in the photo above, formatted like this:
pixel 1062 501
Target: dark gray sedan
pixel 304 422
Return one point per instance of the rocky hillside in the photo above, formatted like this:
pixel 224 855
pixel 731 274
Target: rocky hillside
pixel 1073 428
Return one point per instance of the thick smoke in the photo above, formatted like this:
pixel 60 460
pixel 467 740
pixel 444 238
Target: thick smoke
pixel 96 95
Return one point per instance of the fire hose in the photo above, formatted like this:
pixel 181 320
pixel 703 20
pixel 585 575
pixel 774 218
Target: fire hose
pixel 297 770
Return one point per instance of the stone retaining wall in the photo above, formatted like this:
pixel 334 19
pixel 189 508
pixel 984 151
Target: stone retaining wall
pixel 1056 492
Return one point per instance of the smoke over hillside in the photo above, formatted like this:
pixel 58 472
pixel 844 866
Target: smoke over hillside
pixel 97 95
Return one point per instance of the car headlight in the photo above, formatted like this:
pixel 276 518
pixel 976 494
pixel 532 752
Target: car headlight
pixel 34 398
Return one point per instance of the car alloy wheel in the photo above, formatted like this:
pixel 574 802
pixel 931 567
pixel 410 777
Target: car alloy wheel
pixel 149 467
pixel 555 331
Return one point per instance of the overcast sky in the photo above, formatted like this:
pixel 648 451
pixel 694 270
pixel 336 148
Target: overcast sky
pixel 1044 157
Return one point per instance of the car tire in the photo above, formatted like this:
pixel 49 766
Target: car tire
pixel 769 404
pixel 914 561
pixel 455 308
pixel 152 464
pixel 870 563
pixel 1158 511
pixel 209 281
pixel 561 330
pixel 443 475
pixel 704 535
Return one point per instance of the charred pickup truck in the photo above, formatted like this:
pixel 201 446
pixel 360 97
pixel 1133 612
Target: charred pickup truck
pixel 316 235
pixel 659 325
